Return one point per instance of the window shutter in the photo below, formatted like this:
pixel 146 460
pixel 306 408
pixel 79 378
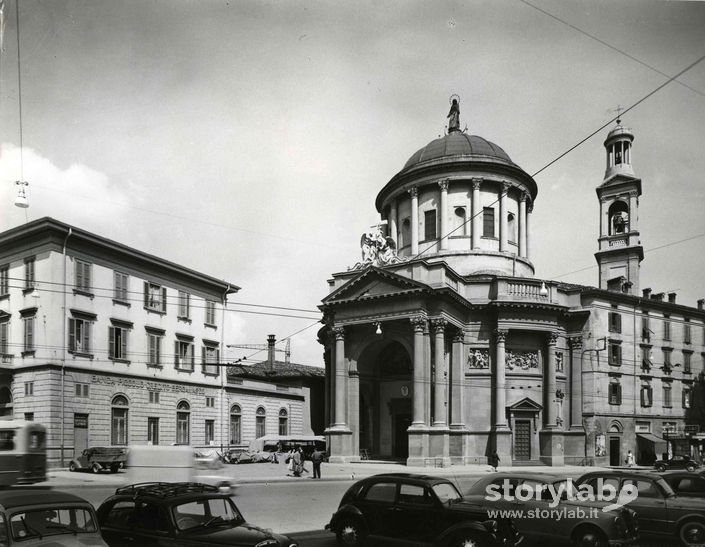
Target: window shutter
pixel 146 294
pixel 193 357
pixel 203 357
pixel 164 299
pixel 111 342
pixel 72 334
pixel 619 394
pixel 87 276
pixel 176 354
pixel 87 336
pixel 123 345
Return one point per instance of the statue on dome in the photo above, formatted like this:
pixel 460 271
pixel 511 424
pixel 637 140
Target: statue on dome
pixel 454 115
pixel 377 249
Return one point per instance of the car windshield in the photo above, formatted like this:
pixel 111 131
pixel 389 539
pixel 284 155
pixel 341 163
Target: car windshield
pixel 206 512
pixel 446 492
pixel 47 522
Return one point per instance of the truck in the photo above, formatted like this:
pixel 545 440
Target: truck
pixel 99 458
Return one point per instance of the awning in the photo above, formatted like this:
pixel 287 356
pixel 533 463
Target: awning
pixel 659 444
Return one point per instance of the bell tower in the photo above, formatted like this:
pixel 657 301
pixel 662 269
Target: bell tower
pixel 619 252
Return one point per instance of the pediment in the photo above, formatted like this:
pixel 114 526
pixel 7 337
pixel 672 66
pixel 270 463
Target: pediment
pixel 374 283
pixel 526 405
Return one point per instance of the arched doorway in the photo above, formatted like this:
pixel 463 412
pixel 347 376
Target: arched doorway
pixel 385 399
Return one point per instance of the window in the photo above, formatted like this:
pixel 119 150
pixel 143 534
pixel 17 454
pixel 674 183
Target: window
pixel 615 353
pixel 667 401
pixel 487 222
pixel 120 281
pixel 413 494
pixel 646 363
pixel 79 335
pixel 210 402
pixel 210 357
pixel 210 431
pixel 429 224
pixel 686 396
pixel 184 305
pixel 154 297
pixel 118 422
pixel 154 342
pixel 152 430
pixel 283 422
pixel 154 397
pixel 382 491
pixel 183 355
pixel 183 418
pixel 461 226
pixel 405 232
pixel 28 389
pixel 615 392
pixel 260 422
pixel 210 312
pixel 28 338
pixel 29 280
pixel 4 337
pixel 82 390
pixel 686 332
pixel 511 228
pixel 645 330
pixel 615 322
pixel 82 280
pixel 235 423
pixel 687 365
pixel 29 416
pixel 117 342
pixel 666 327
pixel 667 365
pixel 4 280
pixel 647 395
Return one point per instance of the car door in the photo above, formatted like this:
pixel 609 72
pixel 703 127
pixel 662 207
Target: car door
pixel 415 515
pixel 651 507
pixel 377 505
pixel 530 516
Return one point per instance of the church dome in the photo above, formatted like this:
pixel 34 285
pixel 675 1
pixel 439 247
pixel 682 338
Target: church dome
pixel 457 146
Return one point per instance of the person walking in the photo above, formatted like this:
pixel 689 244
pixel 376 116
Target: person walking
pixel 494 460
pixel 316 459
pixel 298 462
pixel 630 459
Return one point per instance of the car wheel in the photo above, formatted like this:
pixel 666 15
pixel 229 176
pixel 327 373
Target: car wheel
pixel 690 467
pixel 115 468
pixel 469 539
pixel 350 533
pixel 660 467
pixel 589 536
pixel 72 467
pixel 692 533
pixel 95 468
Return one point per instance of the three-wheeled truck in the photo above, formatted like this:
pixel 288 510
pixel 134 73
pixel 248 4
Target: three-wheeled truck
pixel 98 458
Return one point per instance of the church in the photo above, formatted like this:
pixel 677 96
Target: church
pixel 441 345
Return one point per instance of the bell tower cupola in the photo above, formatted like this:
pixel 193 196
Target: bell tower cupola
pixel 619 247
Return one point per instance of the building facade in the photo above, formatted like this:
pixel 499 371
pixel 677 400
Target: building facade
pixel 441 345
pixel 108 345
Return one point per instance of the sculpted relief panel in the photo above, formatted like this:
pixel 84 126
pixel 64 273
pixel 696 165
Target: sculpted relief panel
pixel 522 360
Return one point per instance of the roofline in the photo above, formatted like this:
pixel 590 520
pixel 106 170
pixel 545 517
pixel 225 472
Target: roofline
pixel 640 301
pixel 47 224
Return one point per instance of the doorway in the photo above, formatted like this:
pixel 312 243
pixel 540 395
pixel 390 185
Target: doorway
pixel 522 440
pixel 401 437
pixel 615 456
pixel 80 434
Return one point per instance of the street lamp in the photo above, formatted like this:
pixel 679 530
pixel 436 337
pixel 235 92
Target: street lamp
pixel 21 200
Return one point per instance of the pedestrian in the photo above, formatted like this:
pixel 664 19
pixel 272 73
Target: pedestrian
pixel 298 462
pixel 290 462
pixel 316 459
pixel 494 460
pixel 630 459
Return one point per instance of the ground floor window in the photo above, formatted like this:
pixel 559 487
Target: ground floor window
pixel 210 431
pixel 283 422
pixel 153 431
pixel 118 429
pixel 235 429
pixel 260 422
pixel 183 416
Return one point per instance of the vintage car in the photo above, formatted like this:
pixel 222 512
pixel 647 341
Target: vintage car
pixel 180 513
pixel 686 483
pixel 405 508
pixel 556 515
pixel 97 459
pixel 663 515
pixel 676 462
pixel 39 518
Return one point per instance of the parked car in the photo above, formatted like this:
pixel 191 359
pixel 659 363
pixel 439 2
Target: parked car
pixel 98 458
pixel 418 509
pixel 676 462
pixel 663 515
pixel 181 513
pixel 44 518
pixel 686 483
pixel 579 522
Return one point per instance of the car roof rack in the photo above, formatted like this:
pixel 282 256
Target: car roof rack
pixel 166 489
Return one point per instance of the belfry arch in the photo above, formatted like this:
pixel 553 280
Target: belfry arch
pixel 386 376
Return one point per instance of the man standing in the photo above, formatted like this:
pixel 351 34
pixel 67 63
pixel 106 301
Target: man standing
pixel 317 458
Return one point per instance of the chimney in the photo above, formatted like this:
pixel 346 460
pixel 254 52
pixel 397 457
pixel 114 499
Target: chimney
pixel 646 293
pixel 271 339
pixel 701 304
pixel 671 298
pixel 658 296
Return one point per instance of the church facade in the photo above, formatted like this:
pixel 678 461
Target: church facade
pixel 441 345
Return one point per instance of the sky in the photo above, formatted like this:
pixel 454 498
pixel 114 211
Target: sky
pixel 248 139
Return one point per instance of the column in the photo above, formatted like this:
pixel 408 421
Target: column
pixel 503 225
pixel 444 213
pixel 476 213
pixel 340 374
pixel 550 381
pixel 522 225
pixel 414 221
pixel 500 396
pixel 576 382
pixel 439 385
pixel 393 233
pixel 633 212
pixel 457 381
pixel 327 383
pixel 418 323
pixel 528 230
pixel 604 219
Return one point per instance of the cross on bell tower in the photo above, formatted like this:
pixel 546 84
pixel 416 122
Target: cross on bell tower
pixel 619 252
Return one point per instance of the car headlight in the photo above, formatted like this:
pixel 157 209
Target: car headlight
pixel 491 525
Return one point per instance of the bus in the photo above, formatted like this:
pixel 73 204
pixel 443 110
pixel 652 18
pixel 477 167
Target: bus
pixel 23 452
pixel 284 443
